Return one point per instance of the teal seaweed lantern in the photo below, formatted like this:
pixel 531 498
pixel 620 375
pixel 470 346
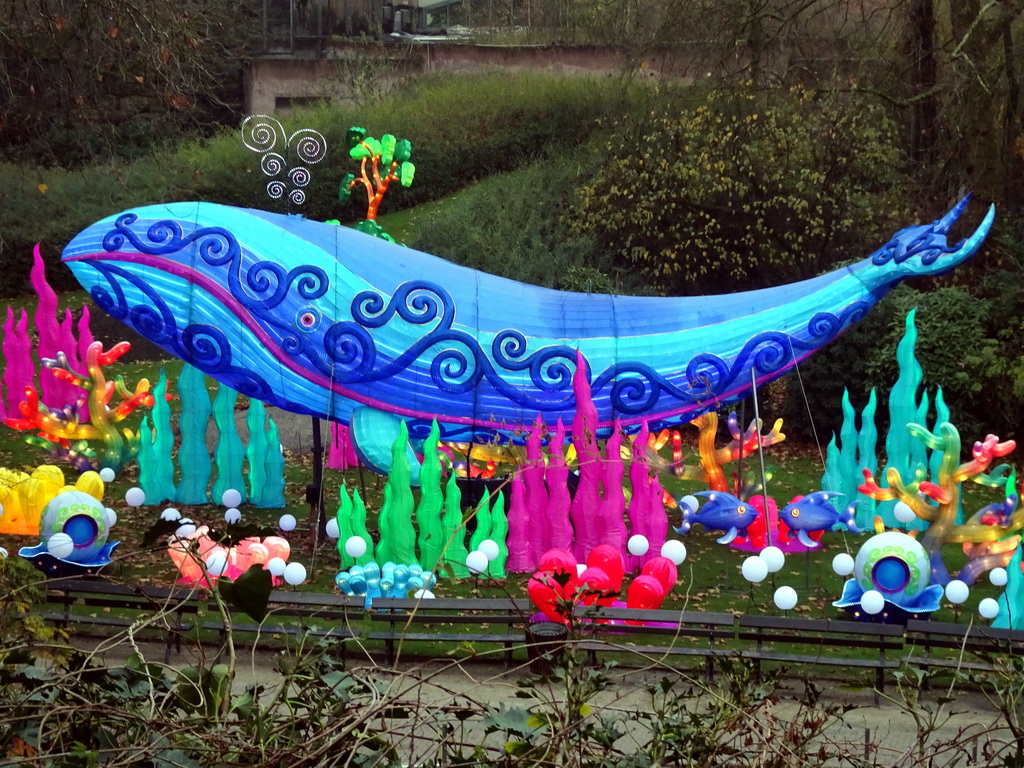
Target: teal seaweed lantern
pixel 854 452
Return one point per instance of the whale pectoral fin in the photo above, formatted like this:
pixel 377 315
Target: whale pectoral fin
pixel 727 539
pixel 373 434
pixel 806 540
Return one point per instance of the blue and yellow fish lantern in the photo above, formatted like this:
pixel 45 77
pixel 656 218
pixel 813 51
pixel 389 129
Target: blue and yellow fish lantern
pixel 722 512
pixel 813 512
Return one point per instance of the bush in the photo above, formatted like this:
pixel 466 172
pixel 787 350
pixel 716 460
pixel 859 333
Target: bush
pixel 745 191
pixel 966 344
pixel 462 129
pixel 509 225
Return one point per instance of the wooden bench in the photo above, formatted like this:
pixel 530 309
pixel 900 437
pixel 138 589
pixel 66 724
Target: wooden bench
pixel 327 616
pixel 676 629
pixel 830 637
pixel 90 602
pixel 511 615
pixel 978 640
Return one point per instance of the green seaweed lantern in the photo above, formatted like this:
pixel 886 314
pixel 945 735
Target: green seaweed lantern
pixel 397 536
pixel 428 513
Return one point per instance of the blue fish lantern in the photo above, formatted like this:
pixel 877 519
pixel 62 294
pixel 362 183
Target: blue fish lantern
pixel 814 513
pixel 722 512
pixel 324 320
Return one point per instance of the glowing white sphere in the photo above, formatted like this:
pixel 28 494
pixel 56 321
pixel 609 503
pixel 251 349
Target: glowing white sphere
pixel 185 530
pixel 774 558
pixel 110 516
pixel 903 512
pixel 785 598
pixel 60 545
pixel 872 602
pixel 295 573
pixel 107 475
pixel 674 550
pixel 476 562
pixel 843 564
pixel 423 594
pixel 490 548
pixel 3 553
pixel 170 514
pixel 998 577
pixel 355 546
pixel 988 608
pixel 957 592
pixel 286 523
pixel 231 498
pixel 690 502
pixel 332 528
pixel 135 497
pixel 216 565
pixel 638 545
pixel 232 515
pixel 754 569
pixel 276 566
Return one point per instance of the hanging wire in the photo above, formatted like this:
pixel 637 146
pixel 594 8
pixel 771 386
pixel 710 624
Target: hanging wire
pixel 814 430
pixel 760 455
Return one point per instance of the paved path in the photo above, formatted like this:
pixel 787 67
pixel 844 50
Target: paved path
pixel 885 734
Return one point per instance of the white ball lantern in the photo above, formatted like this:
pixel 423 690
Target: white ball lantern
pixel 785 598
pixel 638 545
pixel 774 558
pixel 957 592
pixel 295 573
pixel 843 564
pixel 490 548
pixel 476 561
pixel 355 546
pixel 988 608
pixel 754 569
pixel 872 602
pixel 231 498
pixel 674 550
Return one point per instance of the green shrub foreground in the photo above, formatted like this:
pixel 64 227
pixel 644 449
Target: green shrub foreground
pixel 114 705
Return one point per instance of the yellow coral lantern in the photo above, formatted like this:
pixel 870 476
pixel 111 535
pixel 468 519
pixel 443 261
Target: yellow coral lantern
pixel 25 496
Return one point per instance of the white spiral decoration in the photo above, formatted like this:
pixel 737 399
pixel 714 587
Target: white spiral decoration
pixel 261 133
pixel 309 146
pixel 276 188
pixel 297 196
pixel 299 176
pixel 272 163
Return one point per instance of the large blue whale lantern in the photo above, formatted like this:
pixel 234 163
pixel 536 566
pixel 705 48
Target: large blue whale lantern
pixel 323 320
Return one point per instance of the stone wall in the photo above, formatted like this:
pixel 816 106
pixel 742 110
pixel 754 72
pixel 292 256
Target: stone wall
pixel 274 84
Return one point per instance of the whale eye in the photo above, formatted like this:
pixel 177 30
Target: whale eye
pixel 308 320
pixel 741 510
pixel 795 512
